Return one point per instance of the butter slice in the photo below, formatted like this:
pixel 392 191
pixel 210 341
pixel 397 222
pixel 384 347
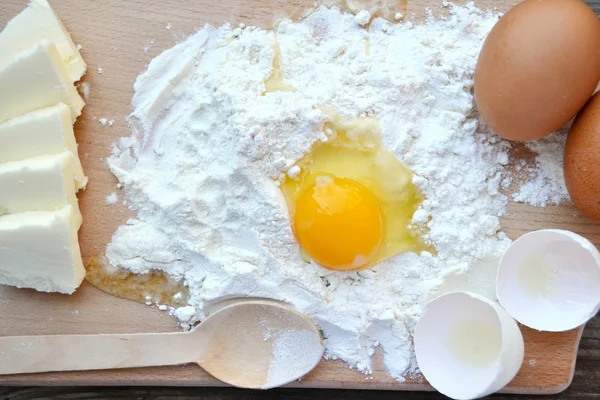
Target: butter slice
pixel 44 183
pixel 36 23
pixel 46 131
pixel 37 79
pixel 40 250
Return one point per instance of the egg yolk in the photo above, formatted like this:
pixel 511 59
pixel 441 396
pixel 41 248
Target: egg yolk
pixel 339 223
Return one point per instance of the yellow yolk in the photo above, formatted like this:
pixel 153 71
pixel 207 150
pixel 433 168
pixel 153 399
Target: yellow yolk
pixel 351 201
pixel 339 223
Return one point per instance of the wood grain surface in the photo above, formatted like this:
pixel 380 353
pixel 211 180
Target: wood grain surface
pixel 120 37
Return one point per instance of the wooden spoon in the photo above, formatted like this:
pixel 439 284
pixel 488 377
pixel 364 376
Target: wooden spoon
pixel 252 344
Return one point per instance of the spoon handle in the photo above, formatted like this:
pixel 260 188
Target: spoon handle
pixel 27 354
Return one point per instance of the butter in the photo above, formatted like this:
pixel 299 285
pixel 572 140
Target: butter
pixel 40 250
pixel 46 131
pixel 36 23
pixel 37 79
pixel 44 183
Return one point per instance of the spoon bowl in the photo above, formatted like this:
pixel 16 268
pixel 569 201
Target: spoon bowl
pixel 258 344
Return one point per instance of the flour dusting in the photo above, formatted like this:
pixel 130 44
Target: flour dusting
pixel 301 346
pixel 546 182
pixel 209 144
pixel 112 199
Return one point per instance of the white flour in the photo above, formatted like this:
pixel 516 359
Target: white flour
pixel 112 199
pixel 546 182
pixel 301 346
pixel 208 143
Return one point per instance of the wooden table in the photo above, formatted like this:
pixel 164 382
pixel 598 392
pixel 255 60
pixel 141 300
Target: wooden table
pixel 586 382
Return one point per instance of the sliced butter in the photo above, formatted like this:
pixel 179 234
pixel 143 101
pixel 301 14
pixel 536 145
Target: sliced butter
pixel 44 183
pixel 40 250
pixel 46 131
pixel 37 79
pixel 34 24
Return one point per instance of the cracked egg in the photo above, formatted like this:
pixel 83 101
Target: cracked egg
pixel 351 201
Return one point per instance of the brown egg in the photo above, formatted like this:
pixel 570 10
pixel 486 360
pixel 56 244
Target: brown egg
pixel 538 67
pixel 582 159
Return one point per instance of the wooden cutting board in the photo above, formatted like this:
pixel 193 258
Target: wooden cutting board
pixel 119 38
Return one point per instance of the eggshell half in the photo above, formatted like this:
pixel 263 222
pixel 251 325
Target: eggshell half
pixel 538 67
pixel 549 280
pixel 467 346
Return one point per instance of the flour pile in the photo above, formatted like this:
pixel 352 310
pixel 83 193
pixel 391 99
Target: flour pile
pixel 208 145
pixel 545 183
